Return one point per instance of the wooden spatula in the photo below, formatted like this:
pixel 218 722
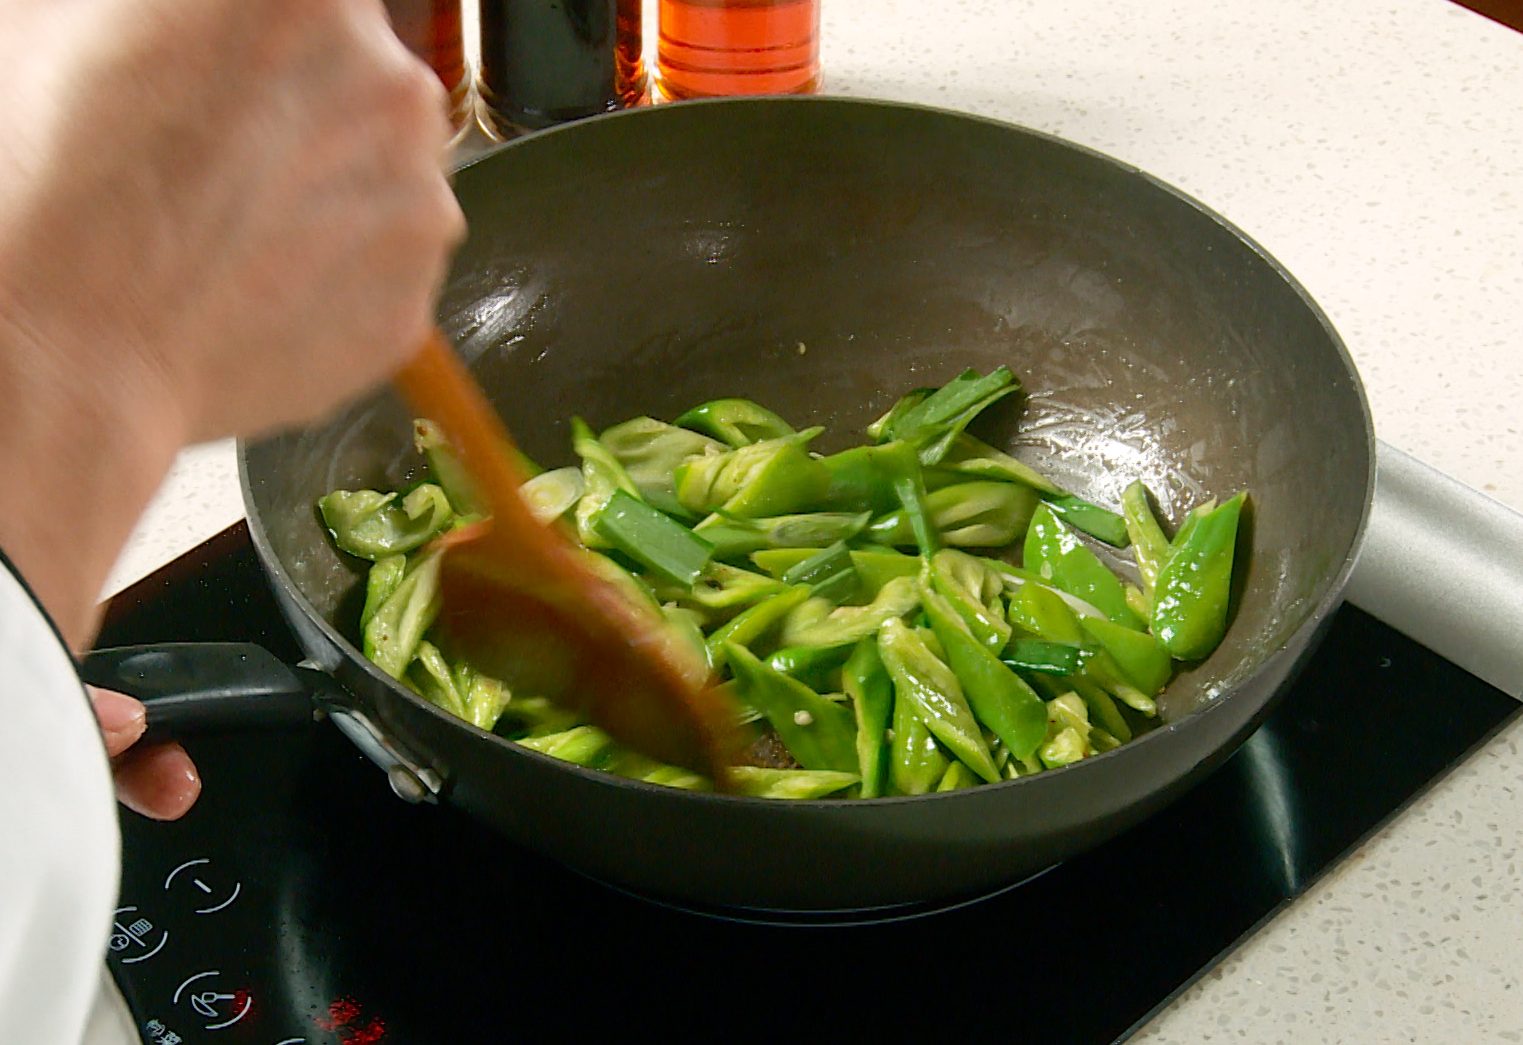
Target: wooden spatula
pixel 524 604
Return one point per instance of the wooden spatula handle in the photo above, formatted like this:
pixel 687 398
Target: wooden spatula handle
pixel 437 386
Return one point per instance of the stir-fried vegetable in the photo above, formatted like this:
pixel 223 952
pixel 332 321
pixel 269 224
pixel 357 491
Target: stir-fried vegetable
pixel 871 654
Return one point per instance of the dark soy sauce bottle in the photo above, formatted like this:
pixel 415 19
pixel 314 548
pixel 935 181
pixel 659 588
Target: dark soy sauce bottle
pixel 547 61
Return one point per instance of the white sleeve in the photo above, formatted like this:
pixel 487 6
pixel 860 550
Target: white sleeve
pixel 60 848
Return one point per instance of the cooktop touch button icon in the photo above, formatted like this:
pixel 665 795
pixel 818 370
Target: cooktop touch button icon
pixel 222 1008
pixel 132 934
pixel 193 878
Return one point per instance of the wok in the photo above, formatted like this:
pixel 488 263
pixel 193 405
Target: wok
pixel 823 257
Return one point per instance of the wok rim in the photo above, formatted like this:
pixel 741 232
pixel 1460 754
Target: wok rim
pixel 1315 617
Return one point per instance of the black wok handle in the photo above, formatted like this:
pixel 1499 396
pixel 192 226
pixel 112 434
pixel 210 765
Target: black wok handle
pixel 202 687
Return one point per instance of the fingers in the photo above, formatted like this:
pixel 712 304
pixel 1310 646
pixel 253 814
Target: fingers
pixel 160 781
pixel 121 719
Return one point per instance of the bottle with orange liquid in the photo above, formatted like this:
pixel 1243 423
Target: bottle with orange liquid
pixel 431 30
pixel 711 48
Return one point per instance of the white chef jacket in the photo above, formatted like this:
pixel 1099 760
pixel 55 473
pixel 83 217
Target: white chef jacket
pixel 60 847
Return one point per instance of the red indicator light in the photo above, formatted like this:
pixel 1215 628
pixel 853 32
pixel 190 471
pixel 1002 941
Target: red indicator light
pixel 346 1016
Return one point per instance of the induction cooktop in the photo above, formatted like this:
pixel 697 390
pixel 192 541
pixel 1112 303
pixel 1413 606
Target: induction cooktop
pixel 301 902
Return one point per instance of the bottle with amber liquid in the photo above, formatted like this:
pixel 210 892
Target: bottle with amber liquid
pixel 431 30
pixel 711 48
pixel 544 62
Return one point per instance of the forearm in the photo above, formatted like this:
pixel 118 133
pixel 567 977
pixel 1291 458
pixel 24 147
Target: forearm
pixel 85 439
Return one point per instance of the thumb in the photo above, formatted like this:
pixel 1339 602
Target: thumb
pixel 121 718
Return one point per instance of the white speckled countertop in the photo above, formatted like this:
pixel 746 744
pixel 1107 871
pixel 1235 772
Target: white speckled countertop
pixel 1375 147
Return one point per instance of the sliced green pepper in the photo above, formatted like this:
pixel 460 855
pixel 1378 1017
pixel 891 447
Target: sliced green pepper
pixel 933 424
pixel 1102 709
pixel 814 666
pixel 879 430
pixel 976 515
pixel 1142 659
pixel 789 783
pixel 957 776
pixel 1043 613
pixel 383 578
pixel 1100 523
pixel 393 634
pixel 844 625
pixel 650 451
pixel 871 690
pixel 579 745
pixel 447 470
pixel 550 495
pixel 1047 658
pixel 999 698
pixel 734 537
pixel 635 766
pixel 1149 544
pixel 373 525
pixel 974 591
pixel 431 676
pixel 738 422
pixel 484 697
pixel 819 733
pixel 970 456
pixel 858 480
pixel 1194 586
pixel 828 572
pixel 1056 555
pixel 602 474
pixel 752 623
pixel 773 477
pixel 652 538
pixel 916 761
pixel 930 685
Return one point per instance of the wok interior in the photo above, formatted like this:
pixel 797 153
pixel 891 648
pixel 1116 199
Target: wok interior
pixel 824 257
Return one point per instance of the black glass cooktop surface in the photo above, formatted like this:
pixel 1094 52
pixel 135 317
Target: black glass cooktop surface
pixel 301 902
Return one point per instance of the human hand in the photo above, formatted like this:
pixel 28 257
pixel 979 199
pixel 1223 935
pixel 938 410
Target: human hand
pixel 217 217
pixel 157 780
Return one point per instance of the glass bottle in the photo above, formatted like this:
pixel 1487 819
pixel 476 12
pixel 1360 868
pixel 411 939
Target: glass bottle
pixel 431 30
pixel 547 61
pixel 709 48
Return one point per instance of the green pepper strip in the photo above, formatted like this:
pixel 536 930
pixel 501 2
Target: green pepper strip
pixel 653 539
pixel 879 430
pixel 650 452
pixel 999 698
pixel 788 783
pixel 957 776
pixel 900 464
pixel 916 761
pixel 1194 586
pixel 1142 659
pixel 393 634
pixel 383 579
pixel 1048 658
pixel 1100 523
pixel 819 733
pixel 938 697
pixel 950 400
pixel 734 537
pixel 811 665
pixel 602 474
pixel 1149 544
pixel 1102 708
pixel 858 482
pixel 752 623
pixel 373 525
pixel 1056 555
pixel 951 574
pixel 974 514
pixel 867 682
pixel 970 456
pixel 580 745
pixel 739 422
